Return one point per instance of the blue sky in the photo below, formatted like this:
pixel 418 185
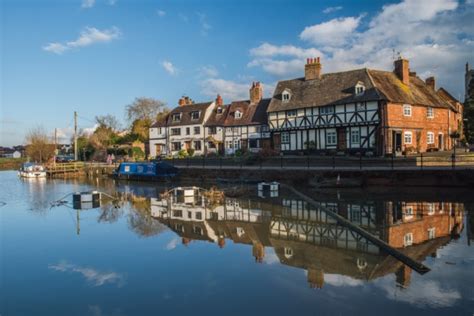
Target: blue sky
pixel 97 56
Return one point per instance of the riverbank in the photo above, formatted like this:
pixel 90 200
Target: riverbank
pixel 11 163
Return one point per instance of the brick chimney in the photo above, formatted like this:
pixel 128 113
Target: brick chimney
pixel 312 69
pixel 402 70
pixel 256 92
pixel 182 101
pixel 185 100
pixel 431 82
pixel 219 101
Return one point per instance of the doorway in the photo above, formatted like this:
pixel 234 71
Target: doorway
pixel 277 142
pixel 440 142
pixel 341 139
pixel 396 142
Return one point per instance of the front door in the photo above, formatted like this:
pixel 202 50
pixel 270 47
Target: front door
pixel 277 142
pixel 341 139
pixel 158 149
pixel 397 142
pixel 440 142
pixel 187 145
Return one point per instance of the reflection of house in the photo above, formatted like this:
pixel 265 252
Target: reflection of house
pixel 305 237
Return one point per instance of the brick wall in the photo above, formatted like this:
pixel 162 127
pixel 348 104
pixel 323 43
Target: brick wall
pixel 419 124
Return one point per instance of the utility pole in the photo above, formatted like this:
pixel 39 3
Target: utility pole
pixel 55 145
pixel 75 136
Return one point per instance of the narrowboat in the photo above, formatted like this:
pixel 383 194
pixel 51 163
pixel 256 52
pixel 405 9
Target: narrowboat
pixel 32 170
pixel 156 170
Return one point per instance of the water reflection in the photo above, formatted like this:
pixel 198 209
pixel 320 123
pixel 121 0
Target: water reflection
pixel 93 276
pixel 306 237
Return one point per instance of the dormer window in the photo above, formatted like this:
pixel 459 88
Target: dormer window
pixel 359 88
pixel 195 115
pixel 176 117
pixel 286 95
pixel 238 114
pixel 219 110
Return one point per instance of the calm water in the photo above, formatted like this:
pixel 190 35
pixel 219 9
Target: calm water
pixel 152 255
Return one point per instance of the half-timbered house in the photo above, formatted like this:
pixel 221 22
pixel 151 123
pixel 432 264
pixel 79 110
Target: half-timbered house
pixel 360 110
pixel 214 128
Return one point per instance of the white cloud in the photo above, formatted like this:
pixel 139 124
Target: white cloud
pixel 331 33
pixel 205 26
pixel 436 36
pixel 169 67
pixel 341 280
pixel 208 71
pixel 332 9
pixel 87 4
pixel 231 90
pixel 93 276
pixel 161 13
pixel 87 37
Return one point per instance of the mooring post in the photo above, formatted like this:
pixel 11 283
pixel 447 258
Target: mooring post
pixel 421 161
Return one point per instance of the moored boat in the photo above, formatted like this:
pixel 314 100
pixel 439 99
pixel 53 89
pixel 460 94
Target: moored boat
pixel 32 170
pixel 145 170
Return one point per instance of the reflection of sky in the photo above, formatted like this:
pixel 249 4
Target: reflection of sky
pixel 93 276
pixel 192 279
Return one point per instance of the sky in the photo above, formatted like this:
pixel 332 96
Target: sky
pixel 96 56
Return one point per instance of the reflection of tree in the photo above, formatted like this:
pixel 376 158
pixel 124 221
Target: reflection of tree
pixel 140 220
pixel 110 213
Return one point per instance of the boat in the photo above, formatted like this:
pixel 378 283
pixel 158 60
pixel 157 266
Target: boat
pixel 32 170
pixel 154 170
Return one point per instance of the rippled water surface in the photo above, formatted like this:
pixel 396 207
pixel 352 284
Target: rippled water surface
pixel 154 254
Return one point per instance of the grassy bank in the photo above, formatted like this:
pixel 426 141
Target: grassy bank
pixel 11 163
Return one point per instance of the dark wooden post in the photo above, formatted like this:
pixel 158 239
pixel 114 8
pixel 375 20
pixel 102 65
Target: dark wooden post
pixel 393 157
pixel 307 162
pixel 360 162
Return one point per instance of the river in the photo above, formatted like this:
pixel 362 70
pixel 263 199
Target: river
pixel 146 253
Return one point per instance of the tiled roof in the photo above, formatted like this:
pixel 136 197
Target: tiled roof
pixel 446 96
pixel 186 111
pixel 161 122
pixel 217 119
pixel 252 114
pixel 339 88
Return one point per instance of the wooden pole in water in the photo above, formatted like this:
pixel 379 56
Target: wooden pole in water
pixel 78 223
pixel 415 265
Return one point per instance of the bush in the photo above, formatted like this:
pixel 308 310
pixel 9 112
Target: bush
pixel 183 153
pixel 238 153
pixel 138 153
pixel 190 152
pixel 267 152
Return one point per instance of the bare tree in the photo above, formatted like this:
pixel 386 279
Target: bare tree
pixel 39 146
pixel 108 121
pixel 144 109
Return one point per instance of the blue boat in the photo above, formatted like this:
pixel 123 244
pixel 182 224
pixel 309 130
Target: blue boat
pixel 146 170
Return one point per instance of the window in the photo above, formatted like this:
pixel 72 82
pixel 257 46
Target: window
pixel 285 138
pixel 431 208
pixel 195 115
pixel 407 109
pixel 229 144
pixel 431 233
pixel 288 252
pixel 190 215
pixel 409 212
pixel 197 230
pixel 254 143
pixel 177 213
pixel 197 130
pixel 238 114
pixel 408 239
pixel 326 110
pixel 197 145
pixel 429 112
pixel 211 145
pixel 430 138
pixel 188 131
pixel 176 146
pixel 286 96
pixel 219 110
pixel 237 144
pixel 176 117
pixel 355 137
pixel 175 131
pixel 359 88
pixel 291 113
pixel 212 130
pixel 331 138
pixel 198 215
pixel 408 137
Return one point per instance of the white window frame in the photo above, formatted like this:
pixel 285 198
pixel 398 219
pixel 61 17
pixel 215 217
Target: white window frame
pixel 331 138
pixel 285 96
pixel 195 118
pixel 359 89
pixel 176 117
pixel 238 114
pixel 408 212
pixel 291 113
pixel 430 139
pixel 431 233
pixel 198 128
pixel 408 239
pixel 430 112
pixel 431 208
pixel 288 252
pixel 407 110
pixel 405 135
pixel 355 133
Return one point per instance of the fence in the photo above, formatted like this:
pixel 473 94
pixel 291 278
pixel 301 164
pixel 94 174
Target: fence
pixel 419 162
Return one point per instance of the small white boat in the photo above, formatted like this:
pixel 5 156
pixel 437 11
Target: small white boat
pixel 32 170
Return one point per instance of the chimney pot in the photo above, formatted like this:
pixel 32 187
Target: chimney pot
pixel 401 69
pixel 312 70
pixel 256 92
